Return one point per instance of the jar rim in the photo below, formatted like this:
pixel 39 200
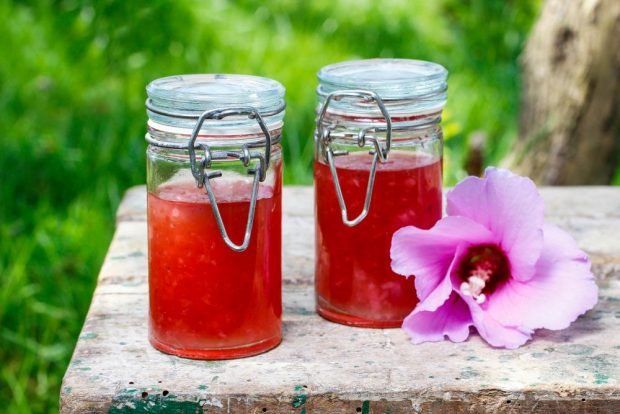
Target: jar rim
pixel 202 92
pixel 232 100
pixel 391 79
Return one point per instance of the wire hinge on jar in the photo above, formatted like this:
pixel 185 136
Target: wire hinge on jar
pixel 379 152
pixel 202 175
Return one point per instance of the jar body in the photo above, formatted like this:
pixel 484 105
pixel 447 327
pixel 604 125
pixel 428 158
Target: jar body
pixel 207 301
pixel 354 281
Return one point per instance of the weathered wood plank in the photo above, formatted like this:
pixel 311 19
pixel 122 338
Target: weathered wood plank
pixel 322 367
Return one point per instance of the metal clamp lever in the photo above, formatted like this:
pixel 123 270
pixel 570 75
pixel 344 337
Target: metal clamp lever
pixel 257 172
pixel 379 153
pixel 220 114
pixel 203 178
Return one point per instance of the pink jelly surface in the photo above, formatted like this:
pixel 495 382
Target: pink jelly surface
pixel 354 281
pixel 206 300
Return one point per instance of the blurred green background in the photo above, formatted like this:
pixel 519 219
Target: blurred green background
pixel 72 122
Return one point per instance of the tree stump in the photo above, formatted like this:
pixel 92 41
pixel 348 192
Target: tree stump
pixel 569 130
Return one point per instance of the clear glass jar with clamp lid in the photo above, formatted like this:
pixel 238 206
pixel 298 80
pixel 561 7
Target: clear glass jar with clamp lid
pixel 378 167
pixel 214 177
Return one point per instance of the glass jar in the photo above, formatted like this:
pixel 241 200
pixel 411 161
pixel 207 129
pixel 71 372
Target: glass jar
pixel 378 167
pixel 214 167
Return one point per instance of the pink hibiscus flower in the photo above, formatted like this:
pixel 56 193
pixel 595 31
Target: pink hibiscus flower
pixel 494 264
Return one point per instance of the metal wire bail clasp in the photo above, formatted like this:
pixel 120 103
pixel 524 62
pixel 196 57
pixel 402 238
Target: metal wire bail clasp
pixel 245 155
pixel 379 153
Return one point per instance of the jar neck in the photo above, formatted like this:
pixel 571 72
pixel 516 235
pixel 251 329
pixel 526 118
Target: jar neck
pixel 230 138
pixel 414 120
pixel 372 133
pixel 403 136
pixel 203 150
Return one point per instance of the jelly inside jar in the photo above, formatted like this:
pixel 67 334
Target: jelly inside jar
pixel 354 281
pixel 206 300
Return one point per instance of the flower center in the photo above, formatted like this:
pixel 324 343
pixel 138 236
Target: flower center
pixel 482 270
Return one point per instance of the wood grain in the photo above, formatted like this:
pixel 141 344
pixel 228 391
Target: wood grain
pixel 322 367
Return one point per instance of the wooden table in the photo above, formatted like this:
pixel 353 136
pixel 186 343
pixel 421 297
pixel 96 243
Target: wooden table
pixel 322 367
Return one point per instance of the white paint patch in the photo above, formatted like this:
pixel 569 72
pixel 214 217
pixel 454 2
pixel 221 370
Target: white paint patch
pixel 214 402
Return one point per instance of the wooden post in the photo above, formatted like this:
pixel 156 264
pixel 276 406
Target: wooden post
pixel 569 130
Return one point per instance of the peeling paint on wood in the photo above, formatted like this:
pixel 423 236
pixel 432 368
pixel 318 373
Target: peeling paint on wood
pixel 138 401
pixel 322 367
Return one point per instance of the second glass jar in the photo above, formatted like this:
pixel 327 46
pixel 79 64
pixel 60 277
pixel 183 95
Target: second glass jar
pixel 378 167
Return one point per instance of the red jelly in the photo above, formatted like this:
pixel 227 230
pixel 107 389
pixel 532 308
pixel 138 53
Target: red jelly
pixel 206 300
pixel 354 282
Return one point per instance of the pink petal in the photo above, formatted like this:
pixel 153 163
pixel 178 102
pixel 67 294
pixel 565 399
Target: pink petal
pixel 443 290
pixel 562 289
pixel 511 208
pixel 492 331
pixel 437 296
pixel 451 320
pixel 428 254
pixel 496 334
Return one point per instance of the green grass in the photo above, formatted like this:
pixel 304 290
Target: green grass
pixel 72 77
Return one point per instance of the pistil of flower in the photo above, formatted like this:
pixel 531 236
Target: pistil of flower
pixel 482 270
pixel 475 285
